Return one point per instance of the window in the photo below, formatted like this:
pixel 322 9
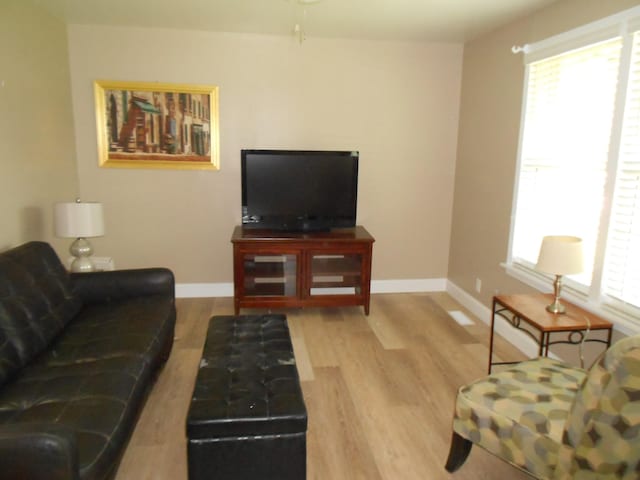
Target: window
pixel 579 160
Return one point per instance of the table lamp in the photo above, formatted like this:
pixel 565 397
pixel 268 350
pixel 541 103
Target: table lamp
pixel 560 255
pixel 79 220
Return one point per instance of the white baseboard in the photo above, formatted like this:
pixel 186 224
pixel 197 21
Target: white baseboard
pixel 193 290
pixel 409 286
pixel 469 302
pixel 517 338
pixel 198 290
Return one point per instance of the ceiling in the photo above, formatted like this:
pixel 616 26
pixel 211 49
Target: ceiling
pixel 406 20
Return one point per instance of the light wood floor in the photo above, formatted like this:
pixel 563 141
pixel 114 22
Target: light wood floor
pixel 379 390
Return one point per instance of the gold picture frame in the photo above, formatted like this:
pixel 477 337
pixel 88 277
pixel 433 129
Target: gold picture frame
pixel 157 125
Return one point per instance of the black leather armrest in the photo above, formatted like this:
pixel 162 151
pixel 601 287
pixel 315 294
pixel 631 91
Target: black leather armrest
pixel 38 452
pixel 119 284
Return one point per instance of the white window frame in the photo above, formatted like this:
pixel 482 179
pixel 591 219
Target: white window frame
pixel 622 24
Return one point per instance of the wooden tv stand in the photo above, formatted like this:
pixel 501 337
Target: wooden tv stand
pixel 274 269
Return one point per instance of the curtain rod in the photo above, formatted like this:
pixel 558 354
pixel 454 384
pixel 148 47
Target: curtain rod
pixel 520 49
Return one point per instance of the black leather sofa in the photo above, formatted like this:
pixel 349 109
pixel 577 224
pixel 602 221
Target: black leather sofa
pixel 78 355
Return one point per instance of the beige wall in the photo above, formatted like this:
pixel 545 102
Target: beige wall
pixel 37 150
pixel 490 109
pixel 397 103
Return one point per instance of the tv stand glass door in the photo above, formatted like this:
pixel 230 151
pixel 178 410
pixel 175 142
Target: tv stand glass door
pixel 335 274
pixel 270 275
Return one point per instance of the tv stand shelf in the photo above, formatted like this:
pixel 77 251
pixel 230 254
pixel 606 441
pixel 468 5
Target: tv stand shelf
pixel 274 269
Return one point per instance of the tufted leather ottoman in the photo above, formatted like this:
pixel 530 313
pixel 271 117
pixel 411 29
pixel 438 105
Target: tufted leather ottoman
pixel 247 418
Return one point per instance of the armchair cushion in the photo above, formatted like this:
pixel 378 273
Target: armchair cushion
pixel 519 413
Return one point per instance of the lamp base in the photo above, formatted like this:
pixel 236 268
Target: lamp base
pixel 81 250
pixel 556 307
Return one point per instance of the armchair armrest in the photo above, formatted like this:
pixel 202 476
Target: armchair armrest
pixel 120 284
pixel 38 452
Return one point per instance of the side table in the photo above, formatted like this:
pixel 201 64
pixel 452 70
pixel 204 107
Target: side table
pixel 530 309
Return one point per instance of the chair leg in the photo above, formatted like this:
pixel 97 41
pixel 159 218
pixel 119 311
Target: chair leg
pixel 458 452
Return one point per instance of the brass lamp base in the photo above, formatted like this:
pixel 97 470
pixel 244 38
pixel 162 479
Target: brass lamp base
pixel 556 306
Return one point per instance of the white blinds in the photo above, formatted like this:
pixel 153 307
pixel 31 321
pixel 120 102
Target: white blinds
pixel 621 280
pixel 564 150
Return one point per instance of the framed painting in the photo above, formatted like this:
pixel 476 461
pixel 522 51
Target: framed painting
pixel 157 125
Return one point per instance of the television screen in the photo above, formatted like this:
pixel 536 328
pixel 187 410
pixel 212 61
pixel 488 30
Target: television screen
pixel 299 190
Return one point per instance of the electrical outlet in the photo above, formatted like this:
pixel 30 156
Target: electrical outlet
pixel 101 263
pixel 478 285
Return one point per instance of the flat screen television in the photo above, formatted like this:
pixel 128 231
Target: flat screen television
pixel 299 190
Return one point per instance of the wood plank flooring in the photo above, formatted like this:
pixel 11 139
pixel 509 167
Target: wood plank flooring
pixel 379 390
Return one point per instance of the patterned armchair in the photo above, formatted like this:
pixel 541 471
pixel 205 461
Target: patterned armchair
pixel 555 421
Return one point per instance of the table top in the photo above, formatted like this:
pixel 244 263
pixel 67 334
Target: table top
pixel 531 308
pixel 357 233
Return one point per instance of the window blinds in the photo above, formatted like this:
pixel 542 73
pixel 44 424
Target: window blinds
pixel 621 280
pixel 564 150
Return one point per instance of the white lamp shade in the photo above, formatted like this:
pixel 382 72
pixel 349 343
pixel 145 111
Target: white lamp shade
pixel 79 219
pixel 560 255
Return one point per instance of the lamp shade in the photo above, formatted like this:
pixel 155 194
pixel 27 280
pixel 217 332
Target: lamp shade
pixel 560 255
pixel 79 219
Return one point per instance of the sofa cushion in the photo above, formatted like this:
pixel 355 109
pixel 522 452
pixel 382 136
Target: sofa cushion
pixel 98 401
pixel 36 302
pixel 115 329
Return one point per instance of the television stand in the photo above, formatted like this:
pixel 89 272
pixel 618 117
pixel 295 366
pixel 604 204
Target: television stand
pixel 275 269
